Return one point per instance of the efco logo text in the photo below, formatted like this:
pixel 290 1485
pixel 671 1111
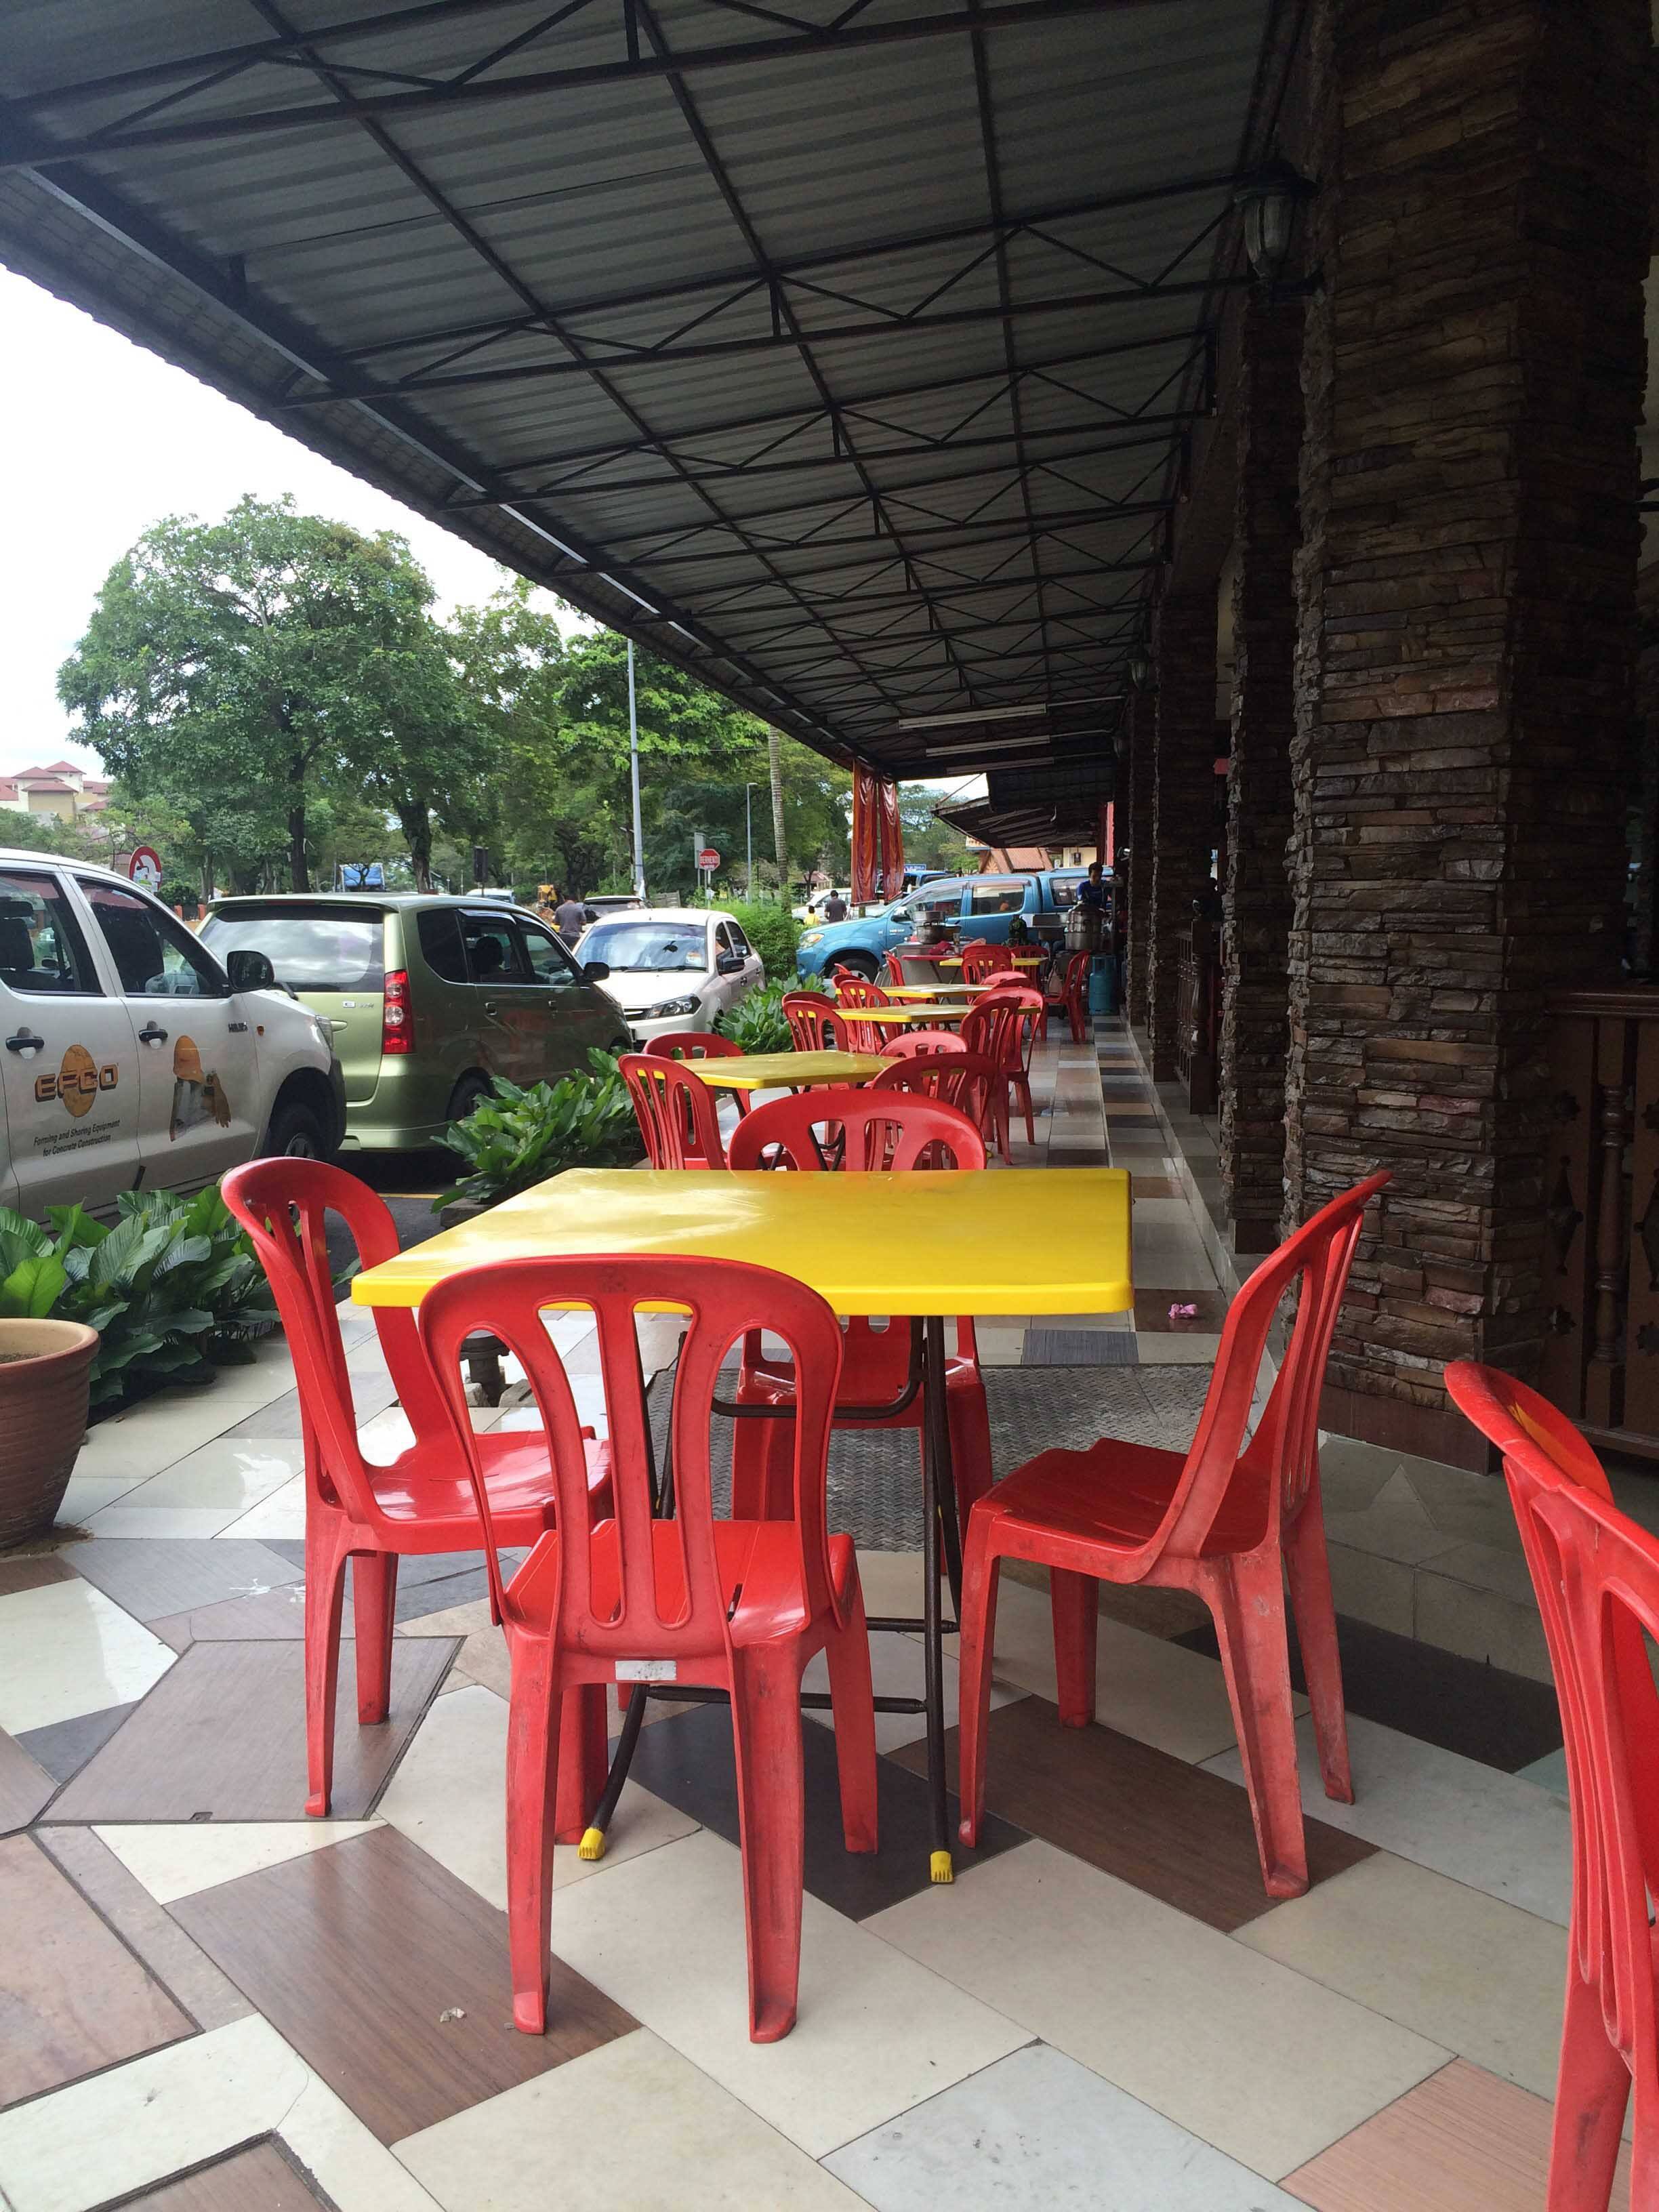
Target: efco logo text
pixel 78 1081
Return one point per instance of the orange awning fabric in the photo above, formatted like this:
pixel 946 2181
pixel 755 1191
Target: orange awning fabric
pixel 877 838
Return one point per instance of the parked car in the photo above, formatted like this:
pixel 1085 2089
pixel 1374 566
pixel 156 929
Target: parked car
pixel 132 1055
pixel 429 998
pixel 672 967
pixel 969 905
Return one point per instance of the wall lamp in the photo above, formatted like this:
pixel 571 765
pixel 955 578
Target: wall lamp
pixel 1268 203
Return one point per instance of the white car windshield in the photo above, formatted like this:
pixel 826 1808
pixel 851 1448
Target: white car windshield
pixel 660 947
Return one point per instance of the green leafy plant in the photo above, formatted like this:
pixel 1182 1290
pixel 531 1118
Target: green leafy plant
pixel 775 933
pixel 757 1024
pixel 171 1286
pixel 516 1138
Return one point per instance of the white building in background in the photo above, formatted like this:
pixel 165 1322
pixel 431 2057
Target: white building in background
pixel 63 790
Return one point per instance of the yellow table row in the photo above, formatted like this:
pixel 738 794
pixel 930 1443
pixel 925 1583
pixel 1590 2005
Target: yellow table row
pixel 1019 1241
pixel 779 1071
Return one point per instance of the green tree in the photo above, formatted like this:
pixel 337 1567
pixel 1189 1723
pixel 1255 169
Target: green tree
pixel 249 663
pixel 929 843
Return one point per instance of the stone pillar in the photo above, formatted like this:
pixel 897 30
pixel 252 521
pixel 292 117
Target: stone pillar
pixel 1256 914
pixel 1135 824
pixel 1183 798
pixel 1473 369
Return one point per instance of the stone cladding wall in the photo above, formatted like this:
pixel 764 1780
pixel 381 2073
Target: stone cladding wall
pixel 1183 801
pixel 1256 912
pixel 1140 729
pixel 1473 371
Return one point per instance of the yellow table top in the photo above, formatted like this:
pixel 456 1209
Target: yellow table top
pixel 771 1071
pixel 936 1010
pixel 1005 1240
pixel 941 992
pixel 1020 960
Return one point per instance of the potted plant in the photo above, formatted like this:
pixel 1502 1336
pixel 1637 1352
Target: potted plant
pixel 46 1369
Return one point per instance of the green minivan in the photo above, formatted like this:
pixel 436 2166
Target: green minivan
pixel 429 998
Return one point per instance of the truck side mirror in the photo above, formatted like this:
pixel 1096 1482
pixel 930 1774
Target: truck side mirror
pixel 249 970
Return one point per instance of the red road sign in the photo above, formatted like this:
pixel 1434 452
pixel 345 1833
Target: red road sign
pixel 709 858
pixel 144 866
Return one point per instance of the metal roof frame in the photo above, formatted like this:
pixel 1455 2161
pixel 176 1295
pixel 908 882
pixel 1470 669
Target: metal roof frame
pixel 937 423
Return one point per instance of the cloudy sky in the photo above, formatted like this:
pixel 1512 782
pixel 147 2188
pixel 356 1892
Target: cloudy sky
pixel 103 439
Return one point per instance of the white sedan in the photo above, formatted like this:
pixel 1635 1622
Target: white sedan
pixel 671 967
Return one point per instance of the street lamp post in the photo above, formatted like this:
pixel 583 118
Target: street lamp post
pixel 749 834
pixel 634 774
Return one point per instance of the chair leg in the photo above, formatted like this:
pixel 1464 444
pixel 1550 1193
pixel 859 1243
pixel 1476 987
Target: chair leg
pixel 324 1595
pixel 1592 2091
pixel 1022 1085
pixel 584 1761
pixel 851 1691
pixel 373 1613
pixel 533 1762
pixel 1075 1602
pixel 970 1441
pixel 1247 1596
pixel 772 1828
pixel 1308 1566
pixel 977 1620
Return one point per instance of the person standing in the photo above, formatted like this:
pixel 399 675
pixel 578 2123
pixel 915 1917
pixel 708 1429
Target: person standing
pixel 570 918
pixel 834 907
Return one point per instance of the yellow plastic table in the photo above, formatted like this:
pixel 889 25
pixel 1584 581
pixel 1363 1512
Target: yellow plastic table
pixel 932 1010
pixel 907 991
pixel 799 1071
pixel 1016 1241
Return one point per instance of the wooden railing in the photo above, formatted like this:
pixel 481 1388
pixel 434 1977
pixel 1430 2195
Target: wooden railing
pixel 1198 1015
pixel 1601 1216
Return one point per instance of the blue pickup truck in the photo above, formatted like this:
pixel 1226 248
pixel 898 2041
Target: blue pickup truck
pixel 979 906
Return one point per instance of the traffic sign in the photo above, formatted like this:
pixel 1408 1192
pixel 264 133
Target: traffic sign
pixel 709 858
pixel 144 867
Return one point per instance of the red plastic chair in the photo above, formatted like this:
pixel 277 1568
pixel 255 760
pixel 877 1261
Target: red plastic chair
pixel 815 1024
pixel 922 1044
pixel 727 1605
pixel 695 1045
pixel 1226 1520
pixel 1596 1576
pixel 956 1077
pixel 1003 1028
pixel 1071 995
pixel 981 960
pixel 422 1502
pixel 676 1110
pixel 860 1130
pixel 896 968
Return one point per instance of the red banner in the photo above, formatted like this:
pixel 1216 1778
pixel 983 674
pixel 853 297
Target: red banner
pixel 877 838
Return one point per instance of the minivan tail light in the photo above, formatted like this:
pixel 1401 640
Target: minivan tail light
pixel 395 1034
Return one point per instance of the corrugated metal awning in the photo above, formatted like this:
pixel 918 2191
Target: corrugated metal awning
pixel 842 349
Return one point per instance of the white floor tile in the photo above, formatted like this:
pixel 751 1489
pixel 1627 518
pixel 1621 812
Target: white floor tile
pixel 125 2130
pixel 1038 2130
pixel 233 1472
pixel 89 1494
pixel 282 1515
pixel 130 1517
pixel 66 1649
pixel 449 1796
pixel 1262 2063
pixel 175 1858
pixel 652 2132
pixel 1483 1979
pixel 876 2033
pixel 1174 1348
pixel 899 1666
pixel 1495 1831
pixel 154 1434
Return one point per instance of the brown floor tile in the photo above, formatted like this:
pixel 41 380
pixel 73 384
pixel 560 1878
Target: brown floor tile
pixel 221 1737
pixel 1152 1309
pixel 1461 2142
pixel 154 1576
pixel 24 1785
pixel 1167 1827
pixel 275 1613
pixel 1155 1186
pixel 73 1998
pixel 34 1573
pixel 257 2180
pixel 186 1972
pixel 358 1954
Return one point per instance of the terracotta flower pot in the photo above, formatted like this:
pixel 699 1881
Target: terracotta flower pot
pixel 44 1374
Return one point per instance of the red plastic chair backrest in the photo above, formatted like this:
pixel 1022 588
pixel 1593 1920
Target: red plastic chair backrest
pixel 878 1133
pixel 922 1044
pixel 853 990
pixel 814 1025
pixel 676 1111
pixel 895 967
pixel 693 1044
pixel 955 1078
pixel 1278 1461
pixel 1075 980
pixel 1595 1574
pixel 283 1205
pixel 980 959
pixel 726 1300
pixel 1003 1026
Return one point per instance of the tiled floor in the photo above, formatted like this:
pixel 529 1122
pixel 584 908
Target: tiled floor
pixel 213 2003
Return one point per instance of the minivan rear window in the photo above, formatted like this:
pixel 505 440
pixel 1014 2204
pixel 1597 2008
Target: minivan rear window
pixel 329 948
pixel 440 932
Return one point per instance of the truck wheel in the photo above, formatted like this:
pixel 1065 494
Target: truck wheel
pixel 296 1131
pixel 858 963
